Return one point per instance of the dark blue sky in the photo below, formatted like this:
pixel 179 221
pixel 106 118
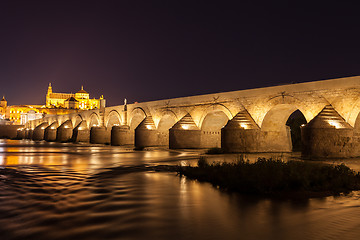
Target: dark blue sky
pixel 148 50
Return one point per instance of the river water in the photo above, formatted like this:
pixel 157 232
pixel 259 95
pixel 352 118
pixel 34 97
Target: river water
pixel 72 191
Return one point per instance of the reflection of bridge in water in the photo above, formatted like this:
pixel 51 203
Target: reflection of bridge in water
pixel 239 121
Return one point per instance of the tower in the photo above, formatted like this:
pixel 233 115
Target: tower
pixel 3 103
pixel 49 89
pixel 49 92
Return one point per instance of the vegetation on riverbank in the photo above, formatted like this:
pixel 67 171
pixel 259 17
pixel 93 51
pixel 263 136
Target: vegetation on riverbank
pixel 215 150
pixel 276 178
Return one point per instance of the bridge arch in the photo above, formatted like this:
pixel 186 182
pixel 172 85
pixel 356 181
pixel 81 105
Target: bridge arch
pixel 137 115
pixel 113 119
pixel 353 117
pixel 76 120
pixel 215 108
pixel 214 118
pixel 357 123
pixel 94 120
pixel 167 120
pixel 276 131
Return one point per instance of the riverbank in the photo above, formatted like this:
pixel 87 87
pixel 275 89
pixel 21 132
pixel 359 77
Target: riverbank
pixel 275 178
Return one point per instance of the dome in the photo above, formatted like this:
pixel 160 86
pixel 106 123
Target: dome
pixel 82 90
pixel 3 99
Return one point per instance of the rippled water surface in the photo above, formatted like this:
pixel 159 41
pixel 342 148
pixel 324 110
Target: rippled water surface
pixel 68 191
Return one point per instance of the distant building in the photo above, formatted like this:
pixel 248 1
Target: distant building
pixel 80 100
pixel 3 105
pixel 21 114
pixel 56 104
pixel 71 103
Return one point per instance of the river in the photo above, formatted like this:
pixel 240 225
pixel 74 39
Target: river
pixel 80 191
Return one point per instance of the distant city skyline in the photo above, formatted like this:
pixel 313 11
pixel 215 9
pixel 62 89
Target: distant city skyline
pixel 150 50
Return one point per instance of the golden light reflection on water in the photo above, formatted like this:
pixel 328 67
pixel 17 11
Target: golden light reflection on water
pixel 47 158
pixel 80 158
pixel 56 203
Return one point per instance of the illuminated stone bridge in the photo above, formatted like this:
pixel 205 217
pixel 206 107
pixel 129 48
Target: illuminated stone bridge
pixel 240 121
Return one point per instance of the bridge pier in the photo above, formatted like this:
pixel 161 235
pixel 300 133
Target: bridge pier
pixel 81 133
pixel 64 132
pixel 146 134
pixel 328 135
pixel 30 134
pixel 26 133
pixel 50 132
pixel 38 133
pixel 184 134
pixel 120 135
pixel 240 134
pixel 20 134
pixel 276 141
pixel 99 135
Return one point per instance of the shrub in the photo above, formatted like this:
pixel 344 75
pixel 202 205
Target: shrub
pixel 270 177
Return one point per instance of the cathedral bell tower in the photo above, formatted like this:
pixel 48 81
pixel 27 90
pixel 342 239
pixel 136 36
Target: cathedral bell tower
pixel 3 105
pixel 49 91
pixel 3 102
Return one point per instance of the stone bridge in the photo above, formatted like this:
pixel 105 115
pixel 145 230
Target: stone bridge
pixel 239 121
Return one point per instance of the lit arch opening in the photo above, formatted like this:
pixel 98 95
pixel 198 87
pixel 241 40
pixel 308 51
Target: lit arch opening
pixel 280 130
pixel 211 129
pixel 113 120
pixel 166 122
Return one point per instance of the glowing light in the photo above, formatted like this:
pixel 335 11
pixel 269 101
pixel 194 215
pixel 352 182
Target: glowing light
pixel 302 125
pixel 334 123
pixel 148 127
pixel 186 127
pixel 66 126
pixel 244 125
pixel 52 127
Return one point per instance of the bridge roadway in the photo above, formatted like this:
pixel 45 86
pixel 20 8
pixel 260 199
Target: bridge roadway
pixel 251 120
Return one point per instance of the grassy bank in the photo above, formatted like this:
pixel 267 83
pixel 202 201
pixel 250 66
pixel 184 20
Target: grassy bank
pixel 276 178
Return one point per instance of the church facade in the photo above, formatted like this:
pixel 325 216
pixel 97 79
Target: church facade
pixel 80 100
pixel 56 104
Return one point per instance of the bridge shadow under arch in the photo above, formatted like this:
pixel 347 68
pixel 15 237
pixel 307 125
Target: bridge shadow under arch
pixel 280 129
pixel 167 120
pixel 136 117
pixel 77 120
pixel 294 122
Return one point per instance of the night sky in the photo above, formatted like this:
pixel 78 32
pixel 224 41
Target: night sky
pixel 149 50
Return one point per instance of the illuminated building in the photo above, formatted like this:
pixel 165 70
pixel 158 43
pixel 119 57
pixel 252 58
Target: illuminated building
pixel 3 105
pixel 56 104
pixel 80 100
pixel 20 114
